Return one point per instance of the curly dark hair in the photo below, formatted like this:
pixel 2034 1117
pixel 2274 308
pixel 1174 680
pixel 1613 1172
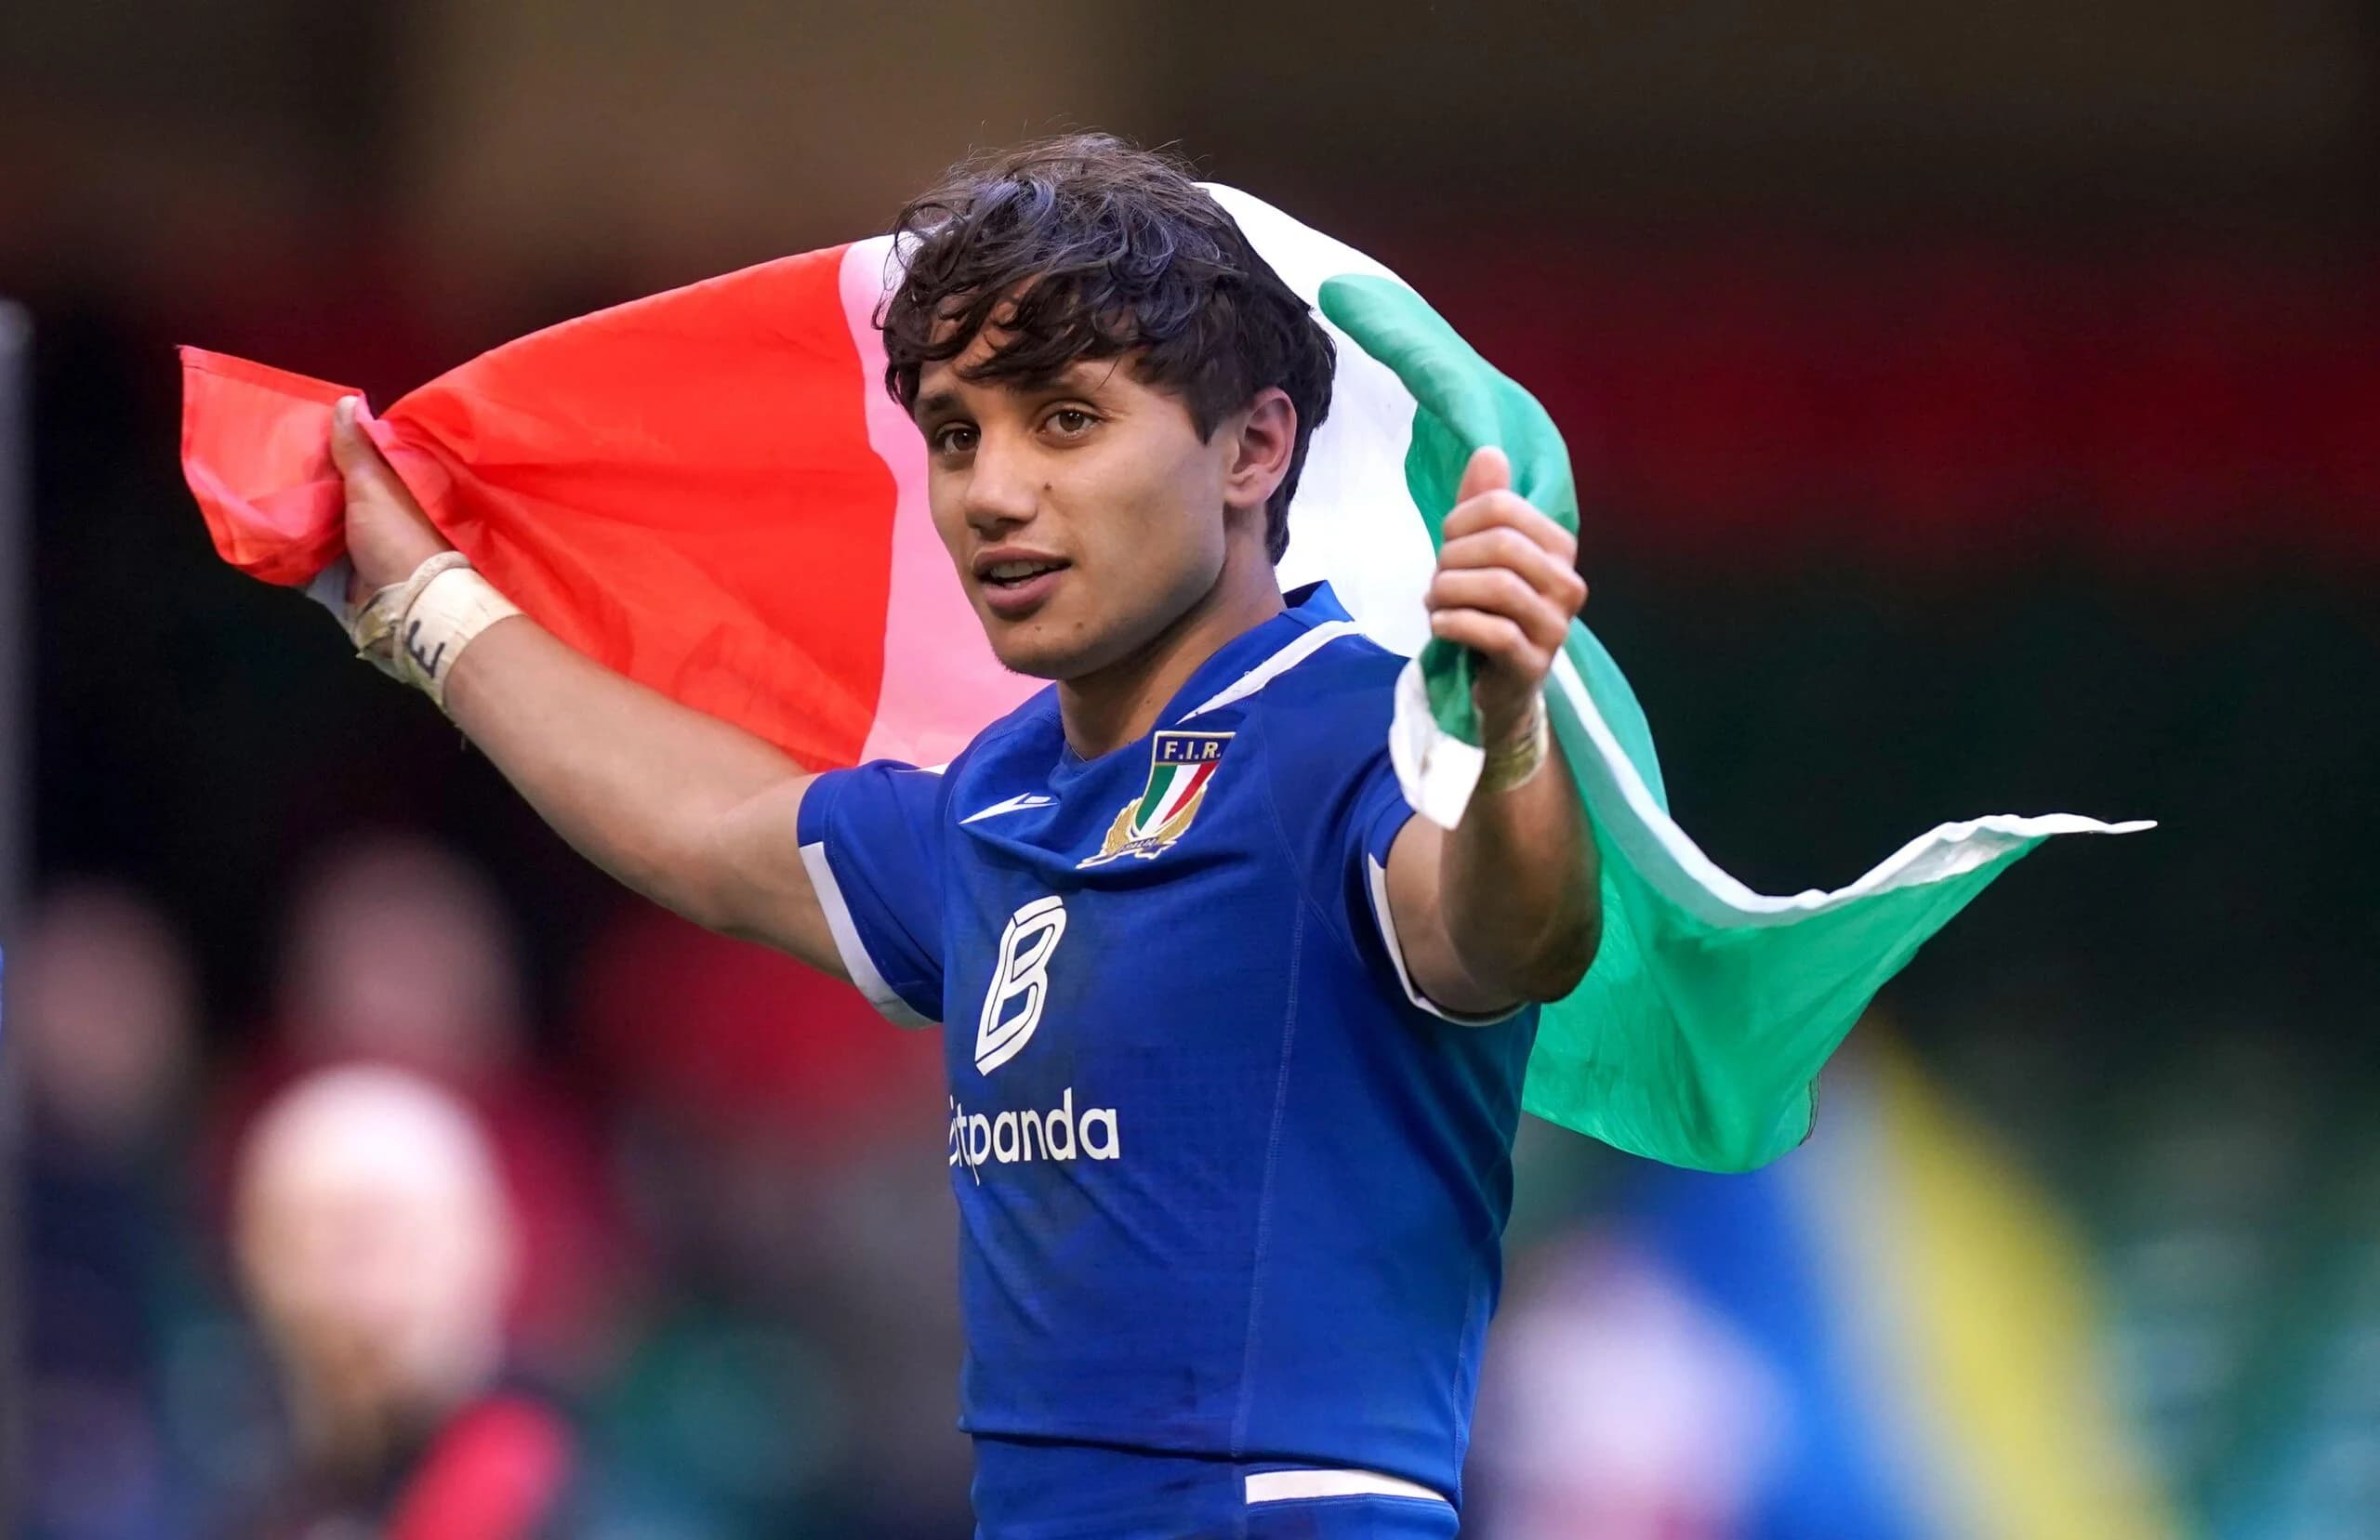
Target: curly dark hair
pixel 1088 247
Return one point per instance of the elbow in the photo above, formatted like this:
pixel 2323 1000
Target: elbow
pixel 683 877
pixel 1562 963
pixel 702 908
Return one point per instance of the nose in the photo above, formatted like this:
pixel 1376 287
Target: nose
pixel 1001 491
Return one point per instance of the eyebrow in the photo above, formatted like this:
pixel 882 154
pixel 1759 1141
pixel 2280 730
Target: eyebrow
pixel 1071 379
pixel 934 404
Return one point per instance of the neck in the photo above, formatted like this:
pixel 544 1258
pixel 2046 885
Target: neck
pixel 343 1428
pixel 348 1420
pixel 1109 707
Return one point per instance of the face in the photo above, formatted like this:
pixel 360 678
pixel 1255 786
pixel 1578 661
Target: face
pixel 399 956
pixel 376 1250
pixel 1086 514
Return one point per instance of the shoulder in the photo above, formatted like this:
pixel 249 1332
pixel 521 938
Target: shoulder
pixel 1038 713
pixel 1347 684
pixel 1323 726
pixel 984 758
pixel 1003 756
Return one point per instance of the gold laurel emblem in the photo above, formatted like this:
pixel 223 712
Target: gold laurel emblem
pixel 1122 841
pixel 1179 763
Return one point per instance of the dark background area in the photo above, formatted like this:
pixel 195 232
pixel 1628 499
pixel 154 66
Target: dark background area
pixel 1977 409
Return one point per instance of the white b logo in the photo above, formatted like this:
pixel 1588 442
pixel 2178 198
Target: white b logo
pixel 1032 934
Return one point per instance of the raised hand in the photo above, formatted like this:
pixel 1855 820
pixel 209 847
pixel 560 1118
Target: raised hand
pixel 388 535
pixel 1506 587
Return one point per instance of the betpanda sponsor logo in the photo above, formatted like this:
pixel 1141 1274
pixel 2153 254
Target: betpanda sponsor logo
pixel 978 1139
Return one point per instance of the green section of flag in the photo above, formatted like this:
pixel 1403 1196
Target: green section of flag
pixel 1471 405
pixel 1698 1036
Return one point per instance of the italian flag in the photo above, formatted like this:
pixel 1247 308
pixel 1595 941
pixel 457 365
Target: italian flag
pixel 709 491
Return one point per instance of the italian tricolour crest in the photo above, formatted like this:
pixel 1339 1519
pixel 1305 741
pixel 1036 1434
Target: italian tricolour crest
pixel 1180 765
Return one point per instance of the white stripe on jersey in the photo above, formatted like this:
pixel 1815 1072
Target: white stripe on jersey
pixel 1387 922
pixel 856 962
pixel 1280 662
pixel 1284 1486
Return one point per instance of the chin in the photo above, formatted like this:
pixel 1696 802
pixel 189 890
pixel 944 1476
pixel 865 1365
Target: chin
pixel 1035 658
pixel 1038 650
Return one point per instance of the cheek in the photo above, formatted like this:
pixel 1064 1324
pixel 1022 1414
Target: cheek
pixel 944 506
pixel 1195 520
pixel 1177 511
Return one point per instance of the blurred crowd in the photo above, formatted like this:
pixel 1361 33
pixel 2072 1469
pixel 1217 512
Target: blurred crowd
pixel 690 1275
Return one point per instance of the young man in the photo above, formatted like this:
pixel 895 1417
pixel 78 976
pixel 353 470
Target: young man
pixel 1235 1043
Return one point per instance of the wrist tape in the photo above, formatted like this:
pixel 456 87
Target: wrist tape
pixel 1516 763
pixel 415 630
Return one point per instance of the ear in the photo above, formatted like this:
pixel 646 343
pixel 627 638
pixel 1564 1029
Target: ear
pixel 1258 443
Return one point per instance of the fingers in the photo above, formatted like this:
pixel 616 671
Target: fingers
pixel 1499 638
pixel 1549 573
pixel 366 471
pixel 1488 470
pixel 1504 507
pixel 1506 584
pixel 351 450
pixel 1503 592
pixel 360 461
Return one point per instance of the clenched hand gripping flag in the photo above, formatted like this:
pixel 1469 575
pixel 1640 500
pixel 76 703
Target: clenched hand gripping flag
pixel 709 492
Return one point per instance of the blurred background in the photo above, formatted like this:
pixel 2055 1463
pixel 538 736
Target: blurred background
pixel 1977 410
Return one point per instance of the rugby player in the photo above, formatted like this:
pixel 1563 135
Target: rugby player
pixel 1234 1042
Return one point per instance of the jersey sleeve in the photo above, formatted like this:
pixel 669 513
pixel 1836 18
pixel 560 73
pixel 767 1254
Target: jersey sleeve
pixel 872 844
pixel 1340 805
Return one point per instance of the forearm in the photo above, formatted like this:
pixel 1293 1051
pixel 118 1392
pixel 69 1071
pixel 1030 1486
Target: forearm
pixel 696 814
pixel 637 783
pixel 1506 907
pixel 1519 887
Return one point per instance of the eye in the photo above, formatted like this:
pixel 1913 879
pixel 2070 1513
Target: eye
pixel 953 438
pixel 1071 422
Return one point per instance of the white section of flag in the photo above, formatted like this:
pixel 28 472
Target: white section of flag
pixel 1353 523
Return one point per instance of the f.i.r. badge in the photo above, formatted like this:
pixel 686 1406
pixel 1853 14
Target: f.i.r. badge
pixel 1180 765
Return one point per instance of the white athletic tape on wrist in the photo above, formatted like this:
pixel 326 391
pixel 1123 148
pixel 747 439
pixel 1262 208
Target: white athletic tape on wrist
pixel 454 608
pixel 415 630
pixel 373 625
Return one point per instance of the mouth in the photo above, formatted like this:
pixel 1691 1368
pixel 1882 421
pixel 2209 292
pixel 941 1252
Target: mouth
pixel 1014 586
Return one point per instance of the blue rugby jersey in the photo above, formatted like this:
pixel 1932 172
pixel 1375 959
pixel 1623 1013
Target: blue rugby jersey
pixel 1227 1185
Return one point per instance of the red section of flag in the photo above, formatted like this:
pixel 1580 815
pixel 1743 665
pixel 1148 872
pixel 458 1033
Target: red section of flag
pixel 680 487
pixel 256 451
